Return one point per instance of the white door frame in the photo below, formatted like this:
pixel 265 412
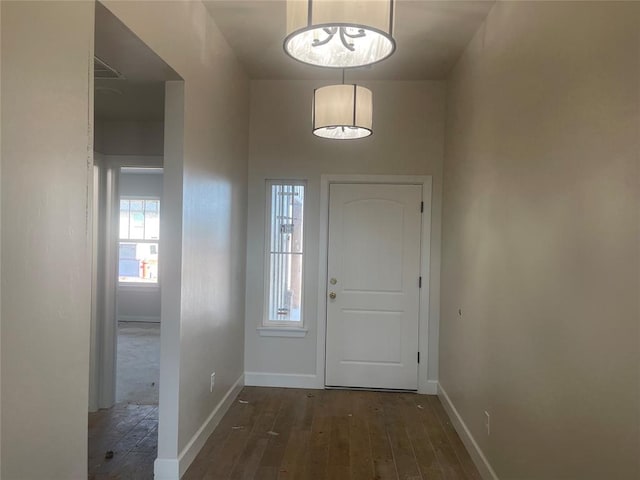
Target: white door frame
pixel 104 336
pixel 102 352
pixel 424 386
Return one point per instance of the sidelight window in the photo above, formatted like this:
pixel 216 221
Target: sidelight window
pixel 284 253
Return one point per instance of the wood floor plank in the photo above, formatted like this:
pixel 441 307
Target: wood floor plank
pixel 222 463
pixel 149 444
pixel 360 458
pixel 451 467
pixel 239 416
pixel 423 449
pixel 248 462
pixel 317 454
pixel 268 473
pixel 127 430
pixel 295 430
pixel 294 459
pixel 339 448
pixel 224 459
pixel 339 438
pixel 381 452
pixel 270 410
pixel 403 455
pixel 306 421
pixel 463 455
pixel 316 458
pixel 279 435
pixel 138 466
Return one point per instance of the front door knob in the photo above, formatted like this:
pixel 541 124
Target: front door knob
pixel 332 295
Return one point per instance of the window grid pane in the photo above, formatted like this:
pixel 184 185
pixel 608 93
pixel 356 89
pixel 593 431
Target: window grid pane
pixel 152 219
pixel 138 262
pixel 124 219
pixel 285 253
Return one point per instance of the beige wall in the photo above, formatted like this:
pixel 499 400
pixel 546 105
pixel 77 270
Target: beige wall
pixel 45 330
pixel 0 238
pixel 47 114
pixel 408 139
pixel 540 240
pixel 129 137
pixel 214 176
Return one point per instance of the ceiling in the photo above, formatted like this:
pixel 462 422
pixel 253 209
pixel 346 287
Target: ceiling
pixel 137 92
pixel 117 100
pixel 430 36
pixel 121 49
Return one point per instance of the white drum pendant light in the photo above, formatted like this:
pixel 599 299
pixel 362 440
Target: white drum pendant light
pixel 342 112
pixel 339 33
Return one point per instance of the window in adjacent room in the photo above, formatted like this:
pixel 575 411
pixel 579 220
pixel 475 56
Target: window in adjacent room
pixel 284 253
pixel 139 240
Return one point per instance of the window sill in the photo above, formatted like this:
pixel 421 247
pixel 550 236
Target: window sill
pixel 294 332
pixel 138 287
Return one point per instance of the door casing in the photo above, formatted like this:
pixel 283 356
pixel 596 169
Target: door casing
pixel 425 385
pixel 104 337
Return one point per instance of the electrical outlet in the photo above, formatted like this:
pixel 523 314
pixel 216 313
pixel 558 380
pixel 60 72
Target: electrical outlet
pixel 213 381
pixel 487 422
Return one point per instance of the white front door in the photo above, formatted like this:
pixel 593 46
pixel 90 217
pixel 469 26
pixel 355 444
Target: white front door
pixel 373 286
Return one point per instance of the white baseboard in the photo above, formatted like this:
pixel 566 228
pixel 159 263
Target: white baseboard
pixel 138 318
pixel 287 380
pixel 189 452
pixel 429 388
pixel 174 468
pixel 465 435
pixel 166 469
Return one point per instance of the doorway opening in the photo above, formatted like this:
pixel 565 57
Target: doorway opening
pixel 126 325
pixel 138 286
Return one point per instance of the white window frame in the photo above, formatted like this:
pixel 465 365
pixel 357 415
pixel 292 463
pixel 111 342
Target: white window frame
pixel 137 285
pixel 289 328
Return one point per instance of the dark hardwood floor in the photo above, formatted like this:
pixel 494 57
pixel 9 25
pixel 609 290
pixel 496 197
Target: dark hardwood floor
pixel 278 434
pixel 281 434
pixel 130 431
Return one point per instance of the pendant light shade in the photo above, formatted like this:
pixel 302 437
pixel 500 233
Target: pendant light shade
pixel 342 112
pixel 339 33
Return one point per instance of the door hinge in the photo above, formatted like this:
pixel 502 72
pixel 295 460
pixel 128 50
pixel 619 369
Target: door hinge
pixel 421 207
pixel 419 282
pixel 418 357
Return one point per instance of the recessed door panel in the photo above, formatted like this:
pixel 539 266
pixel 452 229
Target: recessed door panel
pixel 385 348
pixel 366 237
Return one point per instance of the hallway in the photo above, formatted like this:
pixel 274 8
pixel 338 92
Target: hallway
pixel 523 119
pixel 275 433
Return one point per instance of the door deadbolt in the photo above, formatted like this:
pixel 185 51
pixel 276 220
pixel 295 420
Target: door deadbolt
pixel 332 295
pixel 333 281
